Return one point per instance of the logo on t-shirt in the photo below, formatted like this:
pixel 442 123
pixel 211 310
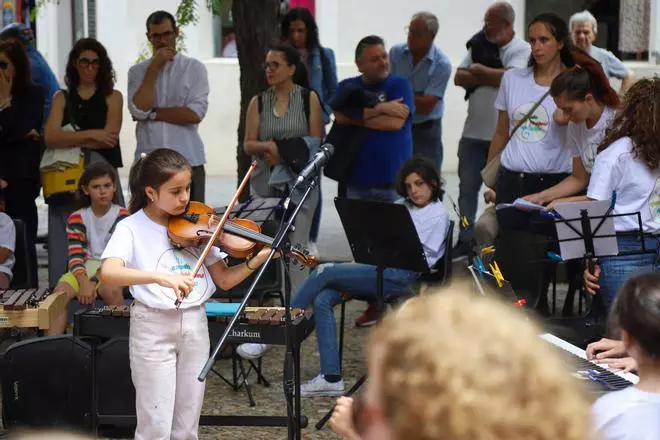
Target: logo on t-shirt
pixel 589 155
pixel 182 261
pixel 535 128
pixel 654 201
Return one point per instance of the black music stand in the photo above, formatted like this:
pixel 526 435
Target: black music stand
pixel 382 235
pixel 590 234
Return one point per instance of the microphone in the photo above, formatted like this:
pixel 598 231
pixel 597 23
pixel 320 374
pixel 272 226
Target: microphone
pixel 317 162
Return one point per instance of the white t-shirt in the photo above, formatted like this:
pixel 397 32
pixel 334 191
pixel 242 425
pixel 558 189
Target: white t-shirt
pixel 431 223
pixel 98 229
pixel 482 115
pixel 629 414
pixel 144 245
pixel 536 146
pixel 584 141
pixel 7 241
pixel 637 187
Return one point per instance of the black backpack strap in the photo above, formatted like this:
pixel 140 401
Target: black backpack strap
pixel 305 96
pixel 260 102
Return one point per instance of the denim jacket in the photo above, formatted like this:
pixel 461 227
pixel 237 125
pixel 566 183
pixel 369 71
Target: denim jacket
pixel 318 80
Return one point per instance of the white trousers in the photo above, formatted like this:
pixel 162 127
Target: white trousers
pixel 168 349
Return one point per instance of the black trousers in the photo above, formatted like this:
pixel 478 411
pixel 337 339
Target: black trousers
pixel 525 237
pixel 198 187
pixel 20 203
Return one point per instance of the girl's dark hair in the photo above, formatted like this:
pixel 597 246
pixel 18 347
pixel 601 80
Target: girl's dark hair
pixel 586 76
pixel 559 31
pixel 304 15
pixel 93 171
pixel 636 310
pixel 105 78
pixel 426 170
pixel 638 118
pixel 153 169
pixel 292 58
pixel 18 57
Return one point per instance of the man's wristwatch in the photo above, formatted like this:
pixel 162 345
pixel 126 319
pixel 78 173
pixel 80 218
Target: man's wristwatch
pixel 152 115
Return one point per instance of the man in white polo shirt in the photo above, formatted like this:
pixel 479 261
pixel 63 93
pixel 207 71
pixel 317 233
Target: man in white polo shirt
pixel 583 28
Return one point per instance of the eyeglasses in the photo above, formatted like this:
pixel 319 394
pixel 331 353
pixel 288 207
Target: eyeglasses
pixel 158 36
pixel 86 62
pixel 273 65
pixel 4 65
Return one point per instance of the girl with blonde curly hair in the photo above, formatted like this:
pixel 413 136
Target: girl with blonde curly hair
pixel 459 367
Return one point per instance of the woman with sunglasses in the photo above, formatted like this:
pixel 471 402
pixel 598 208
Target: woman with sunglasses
pixel 456 366
pixel 87 114
pixel 21 116
pixel 287 109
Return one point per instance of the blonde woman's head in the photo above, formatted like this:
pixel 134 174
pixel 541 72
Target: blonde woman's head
pixel 459 367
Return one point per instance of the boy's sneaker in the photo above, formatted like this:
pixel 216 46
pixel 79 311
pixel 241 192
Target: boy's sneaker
pixel 252 351
pixel 319 387
pixel 369 317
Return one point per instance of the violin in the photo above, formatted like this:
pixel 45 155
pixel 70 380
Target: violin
pixel 240 237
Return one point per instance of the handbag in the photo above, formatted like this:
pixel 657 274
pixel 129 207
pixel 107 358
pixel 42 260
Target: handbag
pixel 491 170
pixel 61 168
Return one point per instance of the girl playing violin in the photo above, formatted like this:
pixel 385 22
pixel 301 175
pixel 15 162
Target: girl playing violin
pixel 167 347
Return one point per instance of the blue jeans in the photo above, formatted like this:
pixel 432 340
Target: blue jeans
pixel 322 290
pixel 472 155
pixel 372 194
pixel 614 271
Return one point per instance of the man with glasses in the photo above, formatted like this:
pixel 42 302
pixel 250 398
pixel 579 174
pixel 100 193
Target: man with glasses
pixel 490 52
pixel 428 69
pixel 168 96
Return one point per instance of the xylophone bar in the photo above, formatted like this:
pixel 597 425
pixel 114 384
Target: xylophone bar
pixel 30 308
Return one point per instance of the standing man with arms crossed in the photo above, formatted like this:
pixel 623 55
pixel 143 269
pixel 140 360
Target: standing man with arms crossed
pixel 496 41
pixel 168 96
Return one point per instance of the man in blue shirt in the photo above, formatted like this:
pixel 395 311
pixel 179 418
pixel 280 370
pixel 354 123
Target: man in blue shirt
pixel 42 74
pixel 428 69
pixel 388 143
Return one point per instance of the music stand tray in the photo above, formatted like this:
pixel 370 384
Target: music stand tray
pixel 382 234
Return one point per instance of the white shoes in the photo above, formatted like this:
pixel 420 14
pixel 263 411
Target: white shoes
pixel 319 387
pixel 252 351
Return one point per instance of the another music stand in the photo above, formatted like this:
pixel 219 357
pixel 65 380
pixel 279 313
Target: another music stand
pixel 382 235
pixel 585 230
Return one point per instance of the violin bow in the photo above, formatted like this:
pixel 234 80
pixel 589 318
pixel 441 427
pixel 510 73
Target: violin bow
pixel 221 224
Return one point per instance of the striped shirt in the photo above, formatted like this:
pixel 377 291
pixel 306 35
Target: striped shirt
pixel 293 124
pixel 78 237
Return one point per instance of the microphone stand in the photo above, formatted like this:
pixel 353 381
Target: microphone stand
pixel 291 374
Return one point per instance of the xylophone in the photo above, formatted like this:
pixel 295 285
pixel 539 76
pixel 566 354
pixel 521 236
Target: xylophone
pixel 602 379
pixel 34 308
pixel 263 325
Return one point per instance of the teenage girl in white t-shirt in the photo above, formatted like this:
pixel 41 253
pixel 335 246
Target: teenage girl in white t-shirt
pixel 534 158
pixel 632 413
pixel 167 347
pixel 628 163
pixel 586 100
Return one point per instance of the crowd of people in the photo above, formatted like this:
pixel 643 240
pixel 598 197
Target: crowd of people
pixel 446 364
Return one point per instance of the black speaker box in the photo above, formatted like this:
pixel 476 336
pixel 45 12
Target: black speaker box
pixel 46 382
pixel 115 390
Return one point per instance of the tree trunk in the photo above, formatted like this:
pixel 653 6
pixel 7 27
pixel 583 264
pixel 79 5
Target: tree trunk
pixel 256 24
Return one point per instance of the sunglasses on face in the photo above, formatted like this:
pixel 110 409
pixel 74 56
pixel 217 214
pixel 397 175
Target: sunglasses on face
pixel 86 62
pixel 273 65
pixel 4 65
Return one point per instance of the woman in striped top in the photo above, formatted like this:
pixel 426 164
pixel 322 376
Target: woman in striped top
pixel 88 231
pixel 287 109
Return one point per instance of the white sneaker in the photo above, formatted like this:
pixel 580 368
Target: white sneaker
pixel 252 351
pixel 318 387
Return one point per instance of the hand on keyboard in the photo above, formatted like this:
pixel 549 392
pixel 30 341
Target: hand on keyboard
pixel 626 364
pixel 605 349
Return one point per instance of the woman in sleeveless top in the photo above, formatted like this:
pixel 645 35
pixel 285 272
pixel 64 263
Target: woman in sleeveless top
pixel 96 109
pixel 279 113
